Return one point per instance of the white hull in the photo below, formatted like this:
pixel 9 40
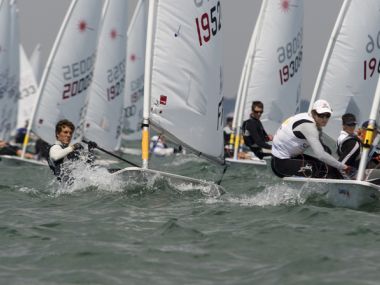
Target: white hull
pixel 181 183
pixel 340 193
pixel 257 161
pixel 11 160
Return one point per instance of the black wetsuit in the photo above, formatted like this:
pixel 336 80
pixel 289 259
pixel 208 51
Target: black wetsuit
pixel 255 137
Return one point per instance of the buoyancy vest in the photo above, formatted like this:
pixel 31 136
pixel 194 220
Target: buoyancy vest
pixel 341 141
pixel 288 143
pixel 56 166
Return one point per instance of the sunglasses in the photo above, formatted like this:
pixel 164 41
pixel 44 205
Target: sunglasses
pixel 258 112
pixel 324 115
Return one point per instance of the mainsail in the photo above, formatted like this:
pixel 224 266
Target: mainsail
pixel 273 65
pixel 28 90
pixel 69 71
pixel 134 84
pixel 104 116
pixel 183 76
pixel 350 70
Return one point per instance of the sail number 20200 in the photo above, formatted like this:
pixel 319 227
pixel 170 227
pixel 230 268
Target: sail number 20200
pixel 208 24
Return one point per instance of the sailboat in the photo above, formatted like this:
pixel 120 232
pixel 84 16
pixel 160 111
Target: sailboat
pixel 272 70
pixel 183 84
pixel 68 74
pixel 134 84
pixel 104 115
pixel 347 80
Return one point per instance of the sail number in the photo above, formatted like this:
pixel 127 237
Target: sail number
pixel 371 65
pixel 79 76
pixel 208 25
pixel 291 51
pixel 116 77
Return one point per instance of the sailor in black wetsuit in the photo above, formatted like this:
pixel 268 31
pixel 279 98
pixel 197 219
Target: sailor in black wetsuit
pixel 254 134
pixel 349 144
pixel 62 152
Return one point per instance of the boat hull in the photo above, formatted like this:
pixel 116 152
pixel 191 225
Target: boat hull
pixel 340 193
pixel 11 160
pixel 258 162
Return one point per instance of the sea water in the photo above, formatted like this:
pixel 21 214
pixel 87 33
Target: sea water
pixel 103 230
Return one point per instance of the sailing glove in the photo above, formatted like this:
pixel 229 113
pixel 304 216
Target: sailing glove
pixel 77 146
pixel 92 145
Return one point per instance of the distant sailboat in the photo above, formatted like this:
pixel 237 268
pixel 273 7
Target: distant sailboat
pixel 272 69
pixel 104 117
pixel 183 82
pixel 347 80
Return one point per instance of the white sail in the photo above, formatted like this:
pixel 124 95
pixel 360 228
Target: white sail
pixel 5 128
pixel 69 71
pixel 274 63
pixel 134 85
pixel 186 80
pixel 105 107
pixel 28 90
pixel 35 62
pixel 350 70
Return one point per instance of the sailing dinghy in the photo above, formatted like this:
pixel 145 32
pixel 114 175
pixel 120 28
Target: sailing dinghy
pixel 347 80
pixel 272 70
pixel 65 83
pixel 183 85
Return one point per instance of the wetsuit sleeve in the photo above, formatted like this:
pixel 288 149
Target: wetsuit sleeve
pixel 254 130
pixel 57 152
pixel 350 149
pixel 312 136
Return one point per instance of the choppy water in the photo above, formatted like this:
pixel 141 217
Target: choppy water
pixel 108 232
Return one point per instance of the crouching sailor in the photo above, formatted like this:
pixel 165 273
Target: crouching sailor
pixel 292 139
pixel 62 153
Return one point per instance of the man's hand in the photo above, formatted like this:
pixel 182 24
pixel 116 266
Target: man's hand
pixel 77 146
pixel 92 145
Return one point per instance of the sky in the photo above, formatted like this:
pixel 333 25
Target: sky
pixel 40 21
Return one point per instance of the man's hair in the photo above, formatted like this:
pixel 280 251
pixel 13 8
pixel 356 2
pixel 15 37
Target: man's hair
pixel 257 104
pixel 229 119
pixel 63 123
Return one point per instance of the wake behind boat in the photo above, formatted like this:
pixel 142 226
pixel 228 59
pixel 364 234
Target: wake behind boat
pixel 180 183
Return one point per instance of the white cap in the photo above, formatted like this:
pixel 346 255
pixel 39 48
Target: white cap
pixel 154 138
pixel 322 106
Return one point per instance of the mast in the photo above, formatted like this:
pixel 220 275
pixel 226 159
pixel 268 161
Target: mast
pixel 369 136
pixel 147 86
